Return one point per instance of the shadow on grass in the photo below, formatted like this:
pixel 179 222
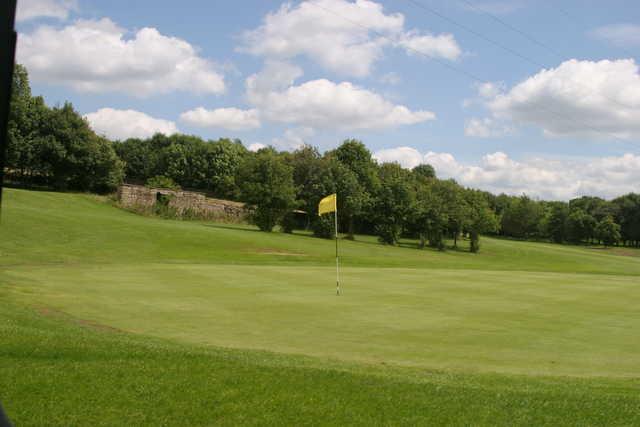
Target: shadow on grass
pixel 234 227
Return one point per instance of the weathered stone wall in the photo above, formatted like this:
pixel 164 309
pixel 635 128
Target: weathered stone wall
pixel 183 203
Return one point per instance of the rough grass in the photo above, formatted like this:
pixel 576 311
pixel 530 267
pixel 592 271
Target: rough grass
pixel 109 318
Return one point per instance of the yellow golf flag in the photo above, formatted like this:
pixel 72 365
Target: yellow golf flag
pixel 328 204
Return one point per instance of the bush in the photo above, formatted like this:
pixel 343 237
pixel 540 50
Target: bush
pixel 323 226
pixel 161 181
pixel 288 222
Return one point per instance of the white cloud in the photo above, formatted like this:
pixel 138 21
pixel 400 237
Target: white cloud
pixel 99 56
pixel 31 9
pixel 442 46
pixel 325 104
pixel 293 138
pixel 343 36
pixel 256 146
pixel 486 91
pixel 490 89
pixel 123 124
pixel 225 118
pixel 546 178
pixel 275 75
pixel 578 98
pixel 623 35
pixel 485 128
pixel 407 157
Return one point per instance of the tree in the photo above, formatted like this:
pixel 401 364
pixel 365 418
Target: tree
pixel 266 183
pixel 456 206
pixel 521 217
pixel 481 219
pixel 310 176
pixel 357 158
pixel 594 206
pixel 223 158
pixel 428 216
pixel 580 226
pixel 144 158
pixel 627 209
pixel 608 232
pixel 424 171
pixel 392 202
pixel 555 222
pixel 74 157
pixel 56 146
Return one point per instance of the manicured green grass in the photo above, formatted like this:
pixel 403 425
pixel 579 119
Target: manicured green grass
pixel 109 318
pixel 464 320
pixel 56 370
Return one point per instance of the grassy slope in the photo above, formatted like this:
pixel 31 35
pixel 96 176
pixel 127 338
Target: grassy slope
pixel 174 279
pixel 46 228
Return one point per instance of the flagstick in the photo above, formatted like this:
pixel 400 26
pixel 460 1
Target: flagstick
pixel 337 265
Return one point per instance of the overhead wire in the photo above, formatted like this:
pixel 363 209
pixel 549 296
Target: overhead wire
pixel 506 48
pixel 468 74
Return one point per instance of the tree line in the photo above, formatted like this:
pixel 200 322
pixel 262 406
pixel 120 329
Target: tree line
pixel 56 148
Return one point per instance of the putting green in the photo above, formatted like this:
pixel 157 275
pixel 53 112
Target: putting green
pixel 464 320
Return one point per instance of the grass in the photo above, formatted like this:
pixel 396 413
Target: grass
pixel 111 318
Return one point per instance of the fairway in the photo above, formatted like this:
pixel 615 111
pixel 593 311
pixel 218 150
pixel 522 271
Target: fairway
pixel 522 315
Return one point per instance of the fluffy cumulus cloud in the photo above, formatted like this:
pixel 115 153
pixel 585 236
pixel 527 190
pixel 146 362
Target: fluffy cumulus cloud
pixel 622 35
pixel 324 104
pixel 226 118
pixel 406 156
pixel 546 178
pixel 123 124
pixel 343 36
pixel 485 128
pixel 256 146
pixel 293 138
pixel 31 9
pixel 578 98
pixel 443 46
pixel 100 56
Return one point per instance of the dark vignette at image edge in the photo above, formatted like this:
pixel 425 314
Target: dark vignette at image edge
pixel 7 59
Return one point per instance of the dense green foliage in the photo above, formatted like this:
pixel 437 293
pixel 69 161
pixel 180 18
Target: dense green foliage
pixel 161 181
pixel 189 161
pixel 266 183
pixel 55 146
pixel 110 318
pixel 581 221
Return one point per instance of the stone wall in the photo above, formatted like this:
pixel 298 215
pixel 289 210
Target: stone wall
pixel 181 203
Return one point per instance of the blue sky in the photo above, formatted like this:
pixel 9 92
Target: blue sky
pixel 416 80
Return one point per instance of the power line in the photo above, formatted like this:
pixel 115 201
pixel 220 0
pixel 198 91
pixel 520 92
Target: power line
pixel 514 29
pixel 580 25
pixel 475 33
pixel 528 36
pixel 467 74
pixel 508 49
